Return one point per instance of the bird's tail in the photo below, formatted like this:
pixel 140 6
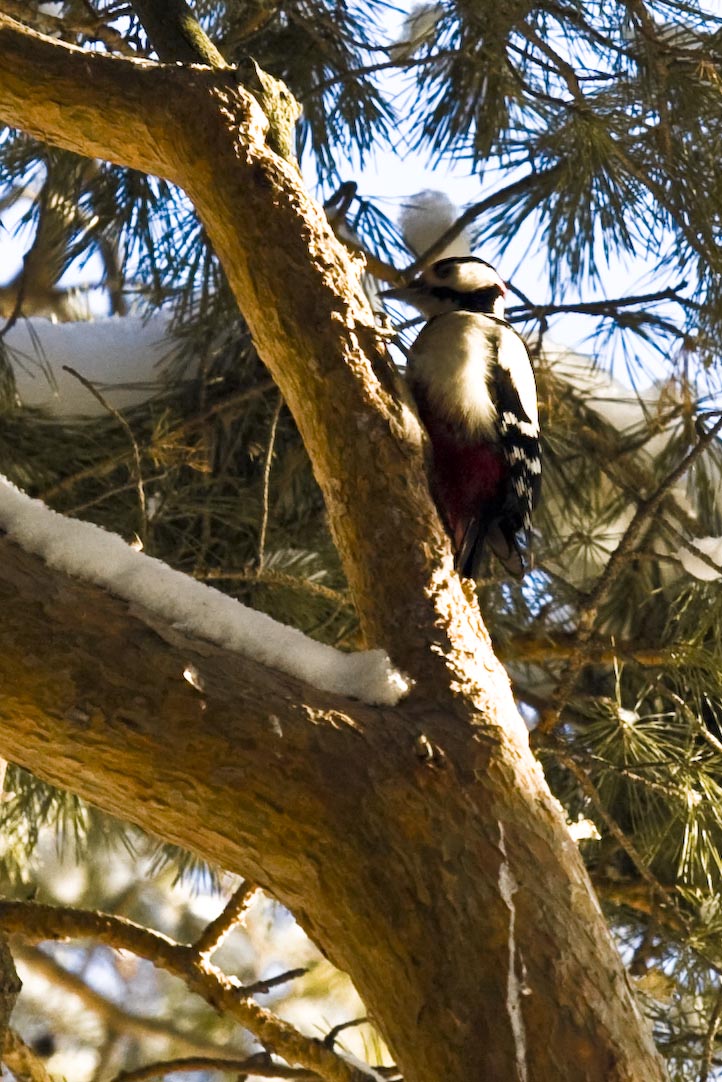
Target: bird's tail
pixel 501 536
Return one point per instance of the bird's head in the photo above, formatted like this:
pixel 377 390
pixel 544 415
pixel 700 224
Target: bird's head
pixel 458 283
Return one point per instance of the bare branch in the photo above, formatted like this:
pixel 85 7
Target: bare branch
pixel 43 922
pixel 115 1017
pixel 267 481
pixel 214 934
pixel 25 1064
pixel 261 1065
pixel 280 579
pixel 710 1037
pixel 262 987
pixel 529 310
pixel 139 486
pixel 176 34
pixel 330 1038
pixel 539 649
pixel 511 191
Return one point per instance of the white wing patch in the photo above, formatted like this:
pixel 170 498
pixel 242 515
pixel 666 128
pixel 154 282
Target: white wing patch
pixel 513 357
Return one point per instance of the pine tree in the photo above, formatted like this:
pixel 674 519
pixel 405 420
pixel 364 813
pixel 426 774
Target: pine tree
pixel 418 844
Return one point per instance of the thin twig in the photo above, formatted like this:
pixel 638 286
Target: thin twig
pixel 529 310
pixel 233 912
pixel 710 1037
pixel 591 791
pixel 114 1018
pixel 260 1065
pixel 225 993
pixel 109 493
pixel 143 530
pixel 646 508
pixel 330 1038
pixel 266 482
pixel 263 987
pixel 107 465
pixel 384 65
pixel 518 187
pixel 277 578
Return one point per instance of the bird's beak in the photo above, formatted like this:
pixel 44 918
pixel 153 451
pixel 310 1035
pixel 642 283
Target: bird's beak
pixel 405 293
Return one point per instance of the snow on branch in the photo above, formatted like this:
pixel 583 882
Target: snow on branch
pixel 701 568
pixel 125 357
pixel 88 552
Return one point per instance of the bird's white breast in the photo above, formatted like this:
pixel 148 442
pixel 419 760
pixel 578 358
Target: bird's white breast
pixel 452 360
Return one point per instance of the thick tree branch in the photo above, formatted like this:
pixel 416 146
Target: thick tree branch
pixel 210 139
pixel 176 34
pixel 83 101
pixel 325 802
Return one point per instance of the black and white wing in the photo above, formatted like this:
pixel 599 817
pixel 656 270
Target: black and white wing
pixel 514 392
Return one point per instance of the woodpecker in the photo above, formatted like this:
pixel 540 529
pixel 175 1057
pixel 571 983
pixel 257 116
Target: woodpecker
pixel 473 384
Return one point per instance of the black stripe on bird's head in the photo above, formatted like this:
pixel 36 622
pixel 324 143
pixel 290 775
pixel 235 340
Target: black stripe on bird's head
pixel 457 283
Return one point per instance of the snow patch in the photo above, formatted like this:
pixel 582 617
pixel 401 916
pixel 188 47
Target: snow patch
pixel 699 569
pixel 93 554
pixel 425 217
pixel 583 829
pixel 361 1066
pixel 123 356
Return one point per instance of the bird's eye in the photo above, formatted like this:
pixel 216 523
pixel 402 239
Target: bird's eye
pixel 443 270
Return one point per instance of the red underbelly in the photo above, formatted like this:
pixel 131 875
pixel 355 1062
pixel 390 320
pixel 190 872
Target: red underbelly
pixel 467 477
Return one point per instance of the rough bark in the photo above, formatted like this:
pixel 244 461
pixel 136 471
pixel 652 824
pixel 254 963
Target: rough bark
pixel 175 33
pixel 9 989
pixel 9 981
pixel 449 890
